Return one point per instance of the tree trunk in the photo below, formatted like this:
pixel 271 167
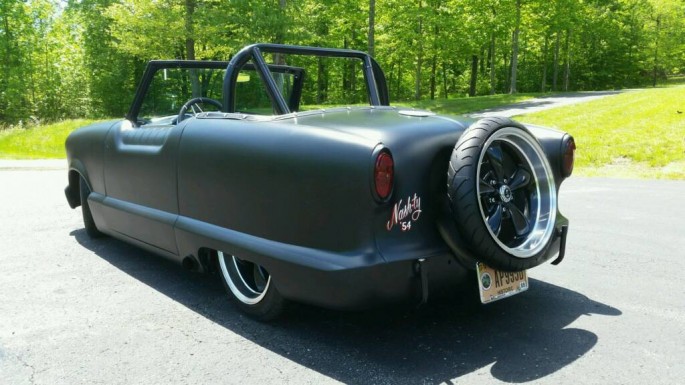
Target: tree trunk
pixel 433 70
pixel 491 62
pixel 190 40
pixel 399 80
pixel 567 66
pixel 280 33
pixel 351 67
pixel 372 26
pixel 543 84
pixel 482 60
pixel 474 75
pixel 493 55
pixel 32 81
pixel 345 82
pixel 321 82
pixel 196 87
pixel 444 80
pixel 279 39
pixel 656 50
pixel 4 82
pixel 507 71
pixel 417 78
pixel 48 79
pixel 419 57
pixel 515 48
pixel 434 62
pixel 555 66
pixel 390 78
pixel 5 79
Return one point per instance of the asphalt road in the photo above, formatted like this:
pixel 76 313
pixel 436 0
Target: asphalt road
pixel 543 103
pixel 74 310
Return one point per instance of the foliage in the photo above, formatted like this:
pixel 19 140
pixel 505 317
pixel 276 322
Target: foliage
pixel 83 58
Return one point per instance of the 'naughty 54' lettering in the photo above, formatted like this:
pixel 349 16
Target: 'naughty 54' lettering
pixel 404 213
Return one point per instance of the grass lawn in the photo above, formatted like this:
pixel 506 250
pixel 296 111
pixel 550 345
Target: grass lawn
pixel 47 142
pixel 636 134
pixel 455 106
pixel 41 142
pixel 466 105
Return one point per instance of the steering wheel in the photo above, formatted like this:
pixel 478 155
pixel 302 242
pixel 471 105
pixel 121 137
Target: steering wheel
pixel 193 105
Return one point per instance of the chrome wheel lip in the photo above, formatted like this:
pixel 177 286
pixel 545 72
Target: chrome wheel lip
pixel 545 206
pixel 231 273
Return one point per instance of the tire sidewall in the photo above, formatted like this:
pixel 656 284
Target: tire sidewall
pixel 268 308
pixel 88 221
pixel 465 205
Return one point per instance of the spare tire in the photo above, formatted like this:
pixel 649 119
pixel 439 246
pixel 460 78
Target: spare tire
pixel 502 194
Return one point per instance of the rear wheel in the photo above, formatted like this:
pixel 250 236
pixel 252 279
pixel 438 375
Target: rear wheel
pixel 88 221
pixel 502 194
pixel 250 286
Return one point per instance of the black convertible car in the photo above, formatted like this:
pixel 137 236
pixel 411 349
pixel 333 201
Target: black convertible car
pixel 241 168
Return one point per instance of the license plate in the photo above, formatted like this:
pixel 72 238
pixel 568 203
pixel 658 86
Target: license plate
pixel 496 284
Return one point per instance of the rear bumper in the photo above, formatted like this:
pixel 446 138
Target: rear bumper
pixel 408 281
pixel 412 280
pixel 354 280
pixel 333 280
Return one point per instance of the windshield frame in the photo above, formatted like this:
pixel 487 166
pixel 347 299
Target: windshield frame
pixel 155 65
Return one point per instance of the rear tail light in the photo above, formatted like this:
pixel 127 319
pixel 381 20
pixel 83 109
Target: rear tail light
pixel 383 174
pixel 568 157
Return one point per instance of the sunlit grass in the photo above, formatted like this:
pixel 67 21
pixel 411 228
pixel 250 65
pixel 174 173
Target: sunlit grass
pixel 40 142
pixel 466 105
pixel 635 134
pixel 454 106
pixel 673 81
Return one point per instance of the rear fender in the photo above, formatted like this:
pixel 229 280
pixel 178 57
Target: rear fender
pixel 72 189
pixel 77 171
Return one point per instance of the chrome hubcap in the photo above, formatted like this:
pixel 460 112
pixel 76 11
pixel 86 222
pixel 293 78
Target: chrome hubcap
pixel 505 193
pixel 517 193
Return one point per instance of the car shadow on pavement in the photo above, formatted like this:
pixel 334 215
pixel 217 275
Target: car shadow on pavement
pixel 520 339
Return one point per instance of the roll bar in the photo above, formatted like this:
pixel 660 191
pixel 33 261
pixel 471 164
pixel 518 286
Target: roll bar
pixel 373 75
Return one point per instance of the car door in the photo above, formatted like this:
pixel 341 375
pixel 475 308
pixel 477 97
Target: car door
pixel 141 182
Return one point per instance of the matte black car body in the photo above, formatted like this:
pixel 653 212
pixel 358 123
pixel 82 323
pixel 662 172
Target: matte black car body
pixel 292 192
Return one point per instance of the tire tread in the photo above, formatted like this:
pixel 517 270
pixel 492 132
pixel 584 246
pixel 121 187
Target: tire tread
pixel 463 197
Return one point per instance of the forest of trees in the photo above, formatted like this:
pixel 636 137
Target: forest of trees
pixel 83 58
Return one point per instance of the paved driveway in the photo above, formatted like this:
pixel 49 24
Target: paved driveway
pixel 75 310
pixel 544 103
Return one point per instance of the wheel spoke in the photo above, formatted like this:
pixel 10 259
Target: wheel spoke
pixel 241 263
pixel 495 157
pixel 520 179
pixel 495 220
pixel 244 271
pixel 521 224
pixel 485 187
